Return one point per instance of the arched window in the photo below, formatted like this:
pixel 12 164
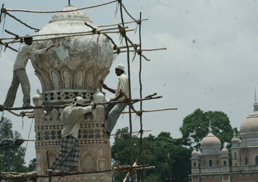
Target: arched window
pixel 234 155
pixel 217 162
pixel 246 160
pixel 194 164
pixel 210 163
pixel 225 163
pixel 256 160
pixel 235 164
pixel 203 163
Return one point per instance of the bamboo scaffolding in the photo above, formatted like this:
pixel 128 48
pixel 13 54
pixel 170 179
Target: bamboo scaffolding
pixel 124 23
pixel 7 46
pixel 16 36
pixel 36 29
pixel 123 33
pixel 156 110
pixel 73 35
pixel 63 106
pixel 105 29
pixel 129 13
pixel 140 83
pixel 60 11
pixel 156 49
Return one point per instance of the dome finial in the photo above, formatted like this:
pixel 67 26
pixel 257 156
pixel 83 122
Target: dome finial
pixel 255 100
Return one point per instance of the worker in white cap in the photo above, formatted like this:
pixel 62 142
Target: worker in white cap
pixel 113 111
pixel 68 157
pixel 19 73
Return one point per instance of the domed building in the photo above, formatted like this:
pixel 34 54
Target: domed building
pixel 212 164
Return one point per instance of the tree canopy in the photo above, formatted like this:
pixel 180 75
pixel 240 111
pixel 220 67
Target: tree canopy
pixel 196 126
pixel 156 150
pixel 16 153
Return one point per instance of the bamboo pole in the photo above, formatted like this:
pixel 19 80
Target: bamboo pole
pixel 6 45
pixel 60 11
pixel 156 49
pixel 90 32
pixel 120 23
pixel 63 106
pixel 156 110
pixel 129 83
pixel 74 35
pixel 36 29
pixel 140 83
pixel 129 13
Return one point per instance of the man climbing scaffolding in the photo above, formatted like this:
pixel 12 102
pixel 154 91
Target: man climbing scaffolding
pixel 113 111
pixel 68 157
pixel 19 73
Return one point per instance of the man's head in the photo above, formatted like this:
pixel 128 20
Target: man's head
pixel 28 39
pixel 78 101
pixel 120 69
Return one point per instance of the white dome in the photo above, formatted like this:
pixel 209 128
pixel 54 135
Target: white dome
pixel 249 129
pixel 210 144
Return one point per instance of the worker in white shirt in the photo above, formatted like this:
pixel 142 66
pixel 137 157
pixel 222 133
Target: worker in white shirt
pixel 68 157
pixel 19 73
pixel 113 111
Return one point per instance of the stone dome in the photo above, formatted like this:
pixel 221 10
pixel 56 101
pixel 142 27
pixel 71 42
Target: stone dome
pixel 195 154
pixel 210 144
pixel 249 129
pixel 78 64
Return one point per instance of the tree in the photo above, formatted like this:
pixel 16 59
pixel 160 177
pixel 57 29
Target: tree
pixel 156 150
pixel 16 153
pixel 195 127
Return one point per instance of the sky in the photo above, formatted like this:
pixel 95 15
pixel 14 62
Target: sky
pixel 210 62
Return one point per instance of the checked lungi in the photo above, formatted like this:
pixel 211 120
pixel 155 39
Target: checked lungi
pixel 69 154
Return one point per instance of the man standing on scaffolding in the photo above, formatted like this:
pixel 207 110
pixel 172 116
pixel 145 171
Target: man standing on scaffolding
pixel 68 157
pixel 113 111
pixel 19 72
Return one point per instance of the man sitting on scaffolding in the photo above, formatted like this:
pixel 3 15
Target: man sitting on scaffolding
pixel 113 111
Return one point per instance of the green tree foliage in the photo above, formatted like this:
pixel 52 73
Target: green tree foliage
pixel 156 150
pixel 195 127
pixel 16 153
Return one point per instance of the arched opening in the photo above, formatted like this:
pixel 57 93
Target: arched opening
pixel 194 164
pixel 246 160
pixel 225 163
pixel 256 160
pixel 235 164
pixel 217 162
pixel 203 163
pixel 234 155
pixel 210 163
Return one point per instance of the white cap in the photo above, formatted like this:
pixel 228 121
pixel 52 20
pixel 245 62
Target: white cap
pixel 78 101
pixel 121 67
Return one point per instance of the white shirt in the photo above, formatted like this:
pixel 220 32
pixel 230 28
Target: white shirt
pixel 24 54
pixel 123 85
pixel 70 117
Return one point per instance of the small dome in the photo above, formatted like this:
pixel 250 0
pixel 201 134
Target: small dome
pixel 195 154
pixel 210 144
pixel 224 150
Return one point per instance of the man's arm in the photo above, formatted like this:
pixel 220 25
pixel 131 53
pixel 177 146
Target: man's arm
pixel 107 88
pixel 84 110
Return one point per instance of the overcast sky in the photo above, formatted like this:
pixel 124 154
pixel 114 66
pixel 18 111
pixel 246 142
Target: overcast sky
pixel 211 62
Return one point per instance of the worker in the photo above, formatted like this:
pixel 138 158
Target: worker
pixel 68 157
pixel 114 110
pixel 19 73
